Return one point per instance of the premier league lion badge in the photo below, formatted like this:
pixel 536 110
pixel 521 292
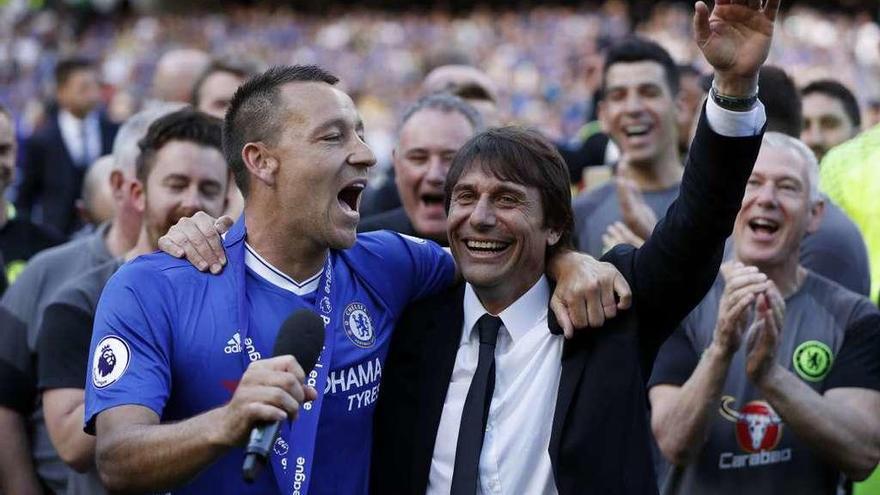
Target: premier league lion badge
pixel 358 325
pixel 110 361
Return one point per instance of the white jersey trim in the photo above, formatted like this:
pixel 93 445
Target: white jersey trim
pixel 276 277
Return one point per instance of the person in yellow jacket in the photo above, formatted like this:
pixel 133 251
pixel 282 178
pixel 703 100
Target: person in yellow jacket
pixel 850 175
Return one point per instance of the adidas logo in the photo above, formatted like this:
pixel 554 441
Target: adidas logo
pixel 233 345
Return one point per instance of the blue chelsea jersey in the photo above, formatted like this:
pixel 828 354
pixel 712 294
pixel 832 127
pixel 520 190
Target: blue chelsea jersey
pixel 168 338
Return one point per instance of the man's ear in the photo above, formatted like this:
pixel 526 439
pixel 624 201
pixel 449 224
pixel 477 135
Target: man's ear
pixel 138 195
pixel 817 213
pixel 260 162
pixel 553 237
pixel 117 181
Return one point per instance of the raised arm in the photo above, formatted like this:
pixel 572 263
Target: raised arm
pixel 682 256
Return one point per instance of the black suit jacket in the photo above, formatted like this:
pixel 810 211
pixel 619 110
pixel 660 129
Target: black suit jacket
pixel 51 177
pixel 600 441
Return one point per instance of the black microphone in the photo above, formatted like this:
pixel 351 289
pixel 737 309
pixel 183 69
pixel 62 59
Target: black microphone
pixel 302 335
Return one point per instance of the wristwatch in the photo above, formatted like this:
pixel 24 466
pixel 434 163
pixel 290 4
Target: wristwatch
pixel 733 103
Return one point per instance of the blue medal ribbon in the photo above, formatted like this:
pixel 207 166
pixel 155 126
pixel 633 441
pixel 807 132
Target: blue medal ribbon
pixel 293 451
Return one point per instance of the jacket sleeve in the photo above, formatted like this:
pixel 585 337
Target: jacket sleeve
pixel 675 268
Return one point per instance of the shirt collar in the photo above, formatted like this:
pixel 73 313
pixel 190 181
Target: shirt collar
pixel 518 318
pixel 67 118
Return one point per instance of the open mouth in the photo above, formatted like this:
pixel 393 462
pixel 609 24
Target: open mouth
pixel 349 197
pixel 487 247
pixel 764 226
pixel 637 130
pixel 431 200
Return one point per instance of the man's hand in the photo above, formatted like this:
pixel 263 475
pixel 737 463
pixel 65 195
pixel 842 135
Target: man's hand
pixel 198 238
pixel 639 218
pixel 742 286
pixel 270 390
pixel 585 291
pixel 735 39
pixel 619 233
pixel 763 338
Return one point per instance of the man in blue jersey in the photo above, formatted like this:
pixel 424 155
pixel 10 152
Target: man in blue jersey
pixel 180 368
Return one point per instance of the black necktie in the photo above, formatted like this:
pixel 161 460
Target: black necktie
pixel 476 411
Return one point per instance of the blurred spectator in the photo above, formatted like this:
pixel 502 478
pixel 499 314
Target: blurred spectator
pixel 182 147
pixel 96 205
pixel 463 81
pixel 469 84
pixel 851 178
pixel 831 115
pixel 782 398
pixel 215 86
pixel 176 74
pixel 26 299
pixel 638 111
pixel 690 100
pixel 781 100
pixel 19 238
pixel 56 156
pixel 211 94
pixel 432 131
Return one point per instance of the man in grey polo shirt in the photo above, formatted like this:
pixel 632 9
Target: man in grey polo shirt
pixel 791 402
pixel 26 300
pixel 180 171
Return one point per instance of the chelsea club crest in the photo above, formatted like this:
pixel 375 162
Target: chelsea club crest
pixel 358 325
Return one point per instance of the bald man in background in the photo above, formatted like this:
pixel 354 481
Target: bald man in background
pixel 468 83
pixel 176 73
pixel 96 204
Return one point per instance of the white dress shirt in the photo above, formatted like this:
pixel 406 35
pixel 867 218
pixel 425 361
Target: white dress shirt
pixel 83 153
pixel 528 362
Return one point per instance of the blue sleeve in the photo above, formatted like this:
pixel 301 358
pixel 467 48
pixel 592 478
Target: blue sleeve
pixel 404 268
pixel 129 357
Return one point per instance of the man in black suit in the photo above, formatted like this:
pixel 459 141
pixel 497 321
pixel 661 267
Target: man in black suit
pixel 477 394
pixel 56 156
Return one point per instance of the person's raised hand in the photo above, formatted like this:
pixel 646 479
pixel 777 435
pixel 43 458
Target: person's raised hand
pixel 198 239
pixel 588 291
pixel 735 37
pixel 270 390
pixel 742 286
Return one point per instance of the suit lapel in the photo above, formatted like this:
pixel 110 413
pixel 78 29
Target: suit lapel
pixel 56 130
pixel 574 358
pixel 438 359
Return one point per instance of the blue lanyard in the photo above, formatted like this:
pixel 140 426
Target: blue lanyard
pixel 293 451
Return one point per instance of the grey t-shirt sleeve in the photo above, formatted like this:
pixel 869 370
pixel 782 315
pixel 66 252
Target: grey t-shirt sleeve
pixel 676 360
pixel 63 347
pixel 857 364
